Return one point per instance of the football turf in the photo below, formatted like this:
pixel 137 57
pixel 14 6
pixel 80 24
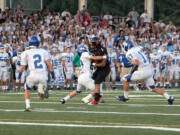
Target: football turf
pixel 144 114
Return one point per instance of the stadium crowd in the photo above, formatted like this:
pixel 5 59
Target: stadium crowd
pixel 63 33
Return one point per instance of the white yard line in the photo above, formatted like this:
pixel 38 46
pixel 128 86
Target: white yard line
pixel 111 104
pixel 86 92
pixel 91 112
pixel 90 126
pixel 76 108
pixel 111 98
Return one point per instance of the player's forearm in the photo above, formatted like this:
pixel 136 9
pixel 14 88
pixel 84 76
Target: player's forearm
pixel 22 68
pixel 102 64
pixel 154 64
pixel 49 65
pixel 97 57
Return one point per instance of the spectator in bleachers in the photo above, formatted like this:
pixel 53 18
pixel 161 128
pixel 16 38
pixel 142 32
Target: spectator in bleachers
pixel 83 10
pixel 146 16
pixel 86 19
pixel 108 17
pixel 134 14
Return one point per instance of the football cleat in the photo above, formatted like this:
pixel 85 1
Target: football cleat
pixel 27 110
pixel 94 102
pixel 170 100
pixel 122 98
pixel 86 100
pixel 63 101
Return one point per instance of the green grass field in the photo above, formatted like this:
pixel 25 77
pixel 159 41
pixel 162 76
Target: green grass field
pixel 144 114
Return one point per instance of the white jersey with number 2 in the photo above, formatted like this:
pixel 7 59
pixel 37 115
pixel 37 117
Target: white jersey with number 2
pixel 35 59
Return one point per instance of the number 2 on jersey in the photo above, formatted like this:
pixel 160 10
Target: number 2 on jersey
pixel 37 62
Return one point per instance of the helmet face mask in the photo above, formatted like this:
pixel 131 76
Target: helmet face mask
pixel 176 52
pixel 54 51
pixel 19 52
pixel 19 55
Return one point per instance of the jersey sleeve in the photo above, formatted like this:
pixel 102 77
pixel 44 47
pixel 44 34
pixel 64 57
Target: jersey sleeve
pixel 46 56
pixel 24 58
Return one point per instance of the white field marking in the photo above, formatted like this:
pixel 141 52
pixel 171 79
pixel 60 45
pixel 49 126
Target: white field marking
pixel 44 109
pixel 89 126
pixel 98 106
pixel 111 104
pixel 85 92
pixel 76 108
pixel 92 112
pixel 106 98
pixel 158 99
pixel 131 96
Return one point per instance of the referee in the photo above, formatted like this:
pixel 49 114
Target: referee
pixel 102 67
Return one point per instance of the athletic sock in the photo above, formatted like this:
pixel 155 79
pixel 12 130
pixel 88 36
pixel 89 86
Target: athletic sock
pixel 166 95
pixel 27 101
pixel 67 98
pixel 126 94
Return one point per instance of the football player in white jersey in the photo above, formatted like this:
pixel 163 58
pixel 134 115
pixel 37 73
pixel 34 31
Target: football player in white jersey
pixel 113 62
pixel 17 61
pixel 68 67
pixel 37 61
pixel 141 70
pixel 155 58
pixel 4 64
pixel 56 61
pixel 164 64
pixel 175 64
pixel 85 79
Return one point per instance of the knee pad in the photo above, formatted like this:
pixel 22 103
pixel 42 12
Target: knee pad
pixel 27 87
